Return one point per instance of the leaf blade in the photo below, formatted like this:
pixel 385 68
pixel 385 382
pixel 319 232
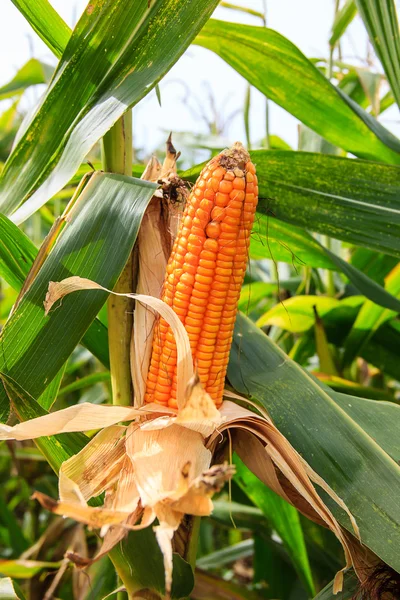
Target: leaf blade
pixel 126 50
pixel 273 65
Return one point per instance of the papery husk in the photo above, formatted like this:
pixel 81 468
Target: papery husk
pixel 90 472
pixel 155 240
pixel 57 291
pixel 80 417
pixel 269 455
pixel 165 472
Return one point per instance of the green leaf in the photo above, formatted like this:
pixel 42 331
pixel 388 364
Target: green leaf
pixel 227 555
pixel 279 70
pixel 244 9
pixel 332 442
pixel 86 248
pixel 8 519
pixel 351 388
pixel 84 382
pixel 47 23
pixel 272 572
pixel 17 254
pixel 126 49
pixel 297 313
pixel 373 264
pixel 283 518
pixel 242 515
pixel 365 285
pixel 378 419
pixel 370 318
pixel 342 20
pixel 380 19
pixel 383 349
pixel 49 396
pixel 140 557
pixel 32 73
pixel 25 569
pixel 102 579
pixel 10 590
pixel 327 363
pixel 283 242
pixel 352 200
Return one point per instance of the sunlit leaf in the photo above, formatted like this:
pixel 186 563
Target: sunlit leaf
pixel 380 19
pixel 126 50
pixel 87 248
pixel 47 23
pixel 277 68
pixel 331 441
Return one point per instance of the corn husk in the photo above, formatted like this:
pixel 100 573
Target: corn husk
pixel 160 466
pixel 155 240
pixel 57 291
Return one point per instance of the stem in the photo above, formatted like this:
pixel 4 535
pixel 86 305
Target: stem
pixel 117 158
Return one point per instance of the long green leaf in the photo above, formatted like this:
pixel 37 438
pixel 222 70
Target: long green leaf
pixel 124 48
pixel 279 70
pixel 18 542
pixel 365 285
pixel 383 349
pixel 342 20
pixel 283 518
pixel 297 313
pixel 335 445
pixel 378 419
pixel 110 208
pixel 283 242
pixel 25 569
pixel 380 19
pixel 47 23
pixel 17 254
pixel 32 73
pixel 370 318
pixel 353 200
pixel 227 555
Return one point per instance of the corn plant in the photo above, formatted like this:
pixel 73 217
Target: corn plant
pixel 205 359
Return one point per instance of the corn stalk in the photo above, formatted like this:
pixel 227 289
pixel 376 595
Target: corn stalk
pixel 117 158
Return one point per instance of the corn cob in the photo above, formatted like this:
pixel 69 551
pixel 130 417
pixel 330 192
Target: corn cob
pixel 205 273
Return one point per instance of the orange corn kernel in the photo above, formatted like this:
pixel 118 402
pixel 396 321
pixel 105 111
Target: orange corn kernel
pixel 205 273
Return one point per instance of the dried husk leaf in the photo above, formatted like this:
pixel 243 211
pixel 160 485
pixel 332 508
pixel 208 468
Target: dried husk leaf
pixel 58 290
pixel 166 461
pixel 292 468
pixel 81 417
pixel 95 467
pixel 93 516
pixel 155 240
pixel 199 412
pixel 152 266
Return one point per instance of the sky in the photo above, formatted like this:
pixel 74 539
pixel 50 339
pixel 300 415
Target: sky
pixel 199 74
